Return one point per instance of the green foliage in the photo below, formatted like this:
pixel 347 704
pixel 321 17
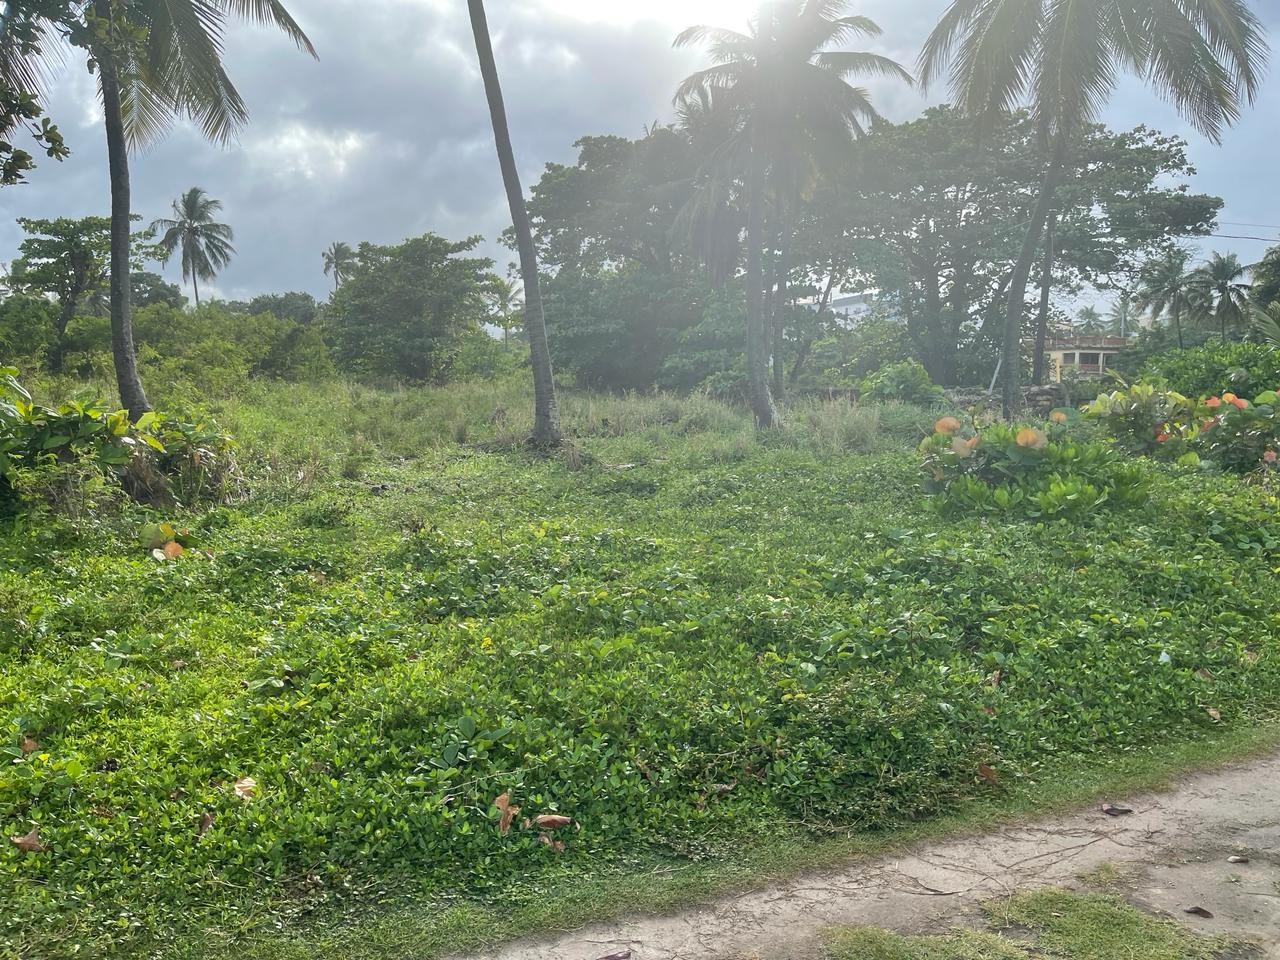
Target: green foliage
pixel 1241 436
pixel 1147 419
pixel 47 452
pixel 1216 366
pixel 907 382
pixel 402 310
pixel 1025 471
pixel 688 639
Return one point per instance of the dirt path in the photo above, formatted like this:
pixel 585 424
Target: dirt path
pixel 1174 846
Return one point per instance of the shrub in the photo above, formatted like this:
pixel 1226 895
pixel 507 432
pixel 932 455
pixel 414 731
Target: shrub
pixel 1241 436
pixel 46 452
pixel 1024 471
pixel 1215 366
pixel 1145 419
pixel 907 381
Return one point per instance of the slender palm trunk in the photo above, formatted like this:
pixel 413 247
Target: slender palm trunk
pixel 1011 395
pixel 546 414
pixel 757 337
pixel 1042 322
pixel 195 287
pixel 779 309
pixel 1176 308
pixel 132 396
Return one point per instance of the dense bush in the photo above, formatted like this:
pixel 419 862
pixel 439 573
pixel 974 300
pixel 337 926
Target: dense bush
pixel 907 382
pixel 64 456
pixel 1216 366
pixel 1147 419
pixel 1240 435
pixel 1028 471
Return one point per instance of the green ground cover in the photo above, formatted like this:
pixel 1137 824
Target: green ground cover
pixel 692 641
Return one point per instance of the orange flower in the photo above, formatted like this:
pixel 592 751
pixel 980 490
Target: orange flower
pixel 1032 439
pixel 1214 403
pixel 1058 416
pixel 1229 397
pixel 961 448
pixel 947 425
pixel 1269 456
pixel 1161 437
pixel 1239 403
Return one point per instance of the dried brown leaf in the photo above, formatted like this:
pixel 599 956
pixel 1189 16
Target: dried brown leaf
pixel 246 788
pixel 29 745
pixel 29 842
pixel 552 821
pixel 1213 714
pixel 172 550
pixel 508 811
pixel 206 821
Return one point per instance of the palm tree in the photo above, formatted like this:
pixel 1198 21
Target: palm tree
pixel 793 102
pixel 1088 322
pixel 1162 288
pixel 338 260
pixel 156 60
pixel 1219 294
pixel 1065 57
pixel 206 244
pixel 503 297
pixel 1120 318
pixel 546 413
pixel 1266 278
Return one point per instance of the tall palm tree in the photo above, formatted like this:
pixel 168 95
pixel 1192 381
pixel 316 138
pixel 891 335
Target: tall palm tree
pixel 794 102
pixel 1162 288
pixel 1065 57
pixel 338 261
pixel 1266 278
pixel 1219 294
pixel 546 413
pixel 1120 318
pixel 156 60
pixel 205 244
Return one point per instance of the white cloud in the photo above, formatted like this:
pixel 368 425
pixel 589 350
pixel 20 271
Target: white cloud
pixel 306 151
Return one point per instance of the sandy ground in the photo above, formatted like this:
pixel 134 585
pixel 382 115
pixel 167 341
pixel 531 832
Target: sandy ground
pixel 1173 849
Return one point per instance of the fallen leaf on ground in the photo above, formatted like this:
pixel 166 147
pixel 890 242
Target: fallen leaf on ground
pixel 172 550
pixel 620 955
pixel 246 787
pixel 555 845
pixel 988 774
pixel 1213 714
pixel 508 811
pixel 552 821
pixel 29 745
pixel 29 842
pixel 1112 810
pixel 206 821
pixel 178 665
pixel 1199 912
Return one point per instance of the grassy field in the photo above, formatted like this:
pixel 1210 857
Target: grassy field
pixel 716 653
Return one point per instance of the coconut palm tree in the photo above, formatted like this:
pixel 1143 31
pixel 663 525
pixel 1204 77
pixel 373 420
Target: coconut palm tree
pixel 1266 278
pixel 794 102
pixel 156 60
pixel 546 413
pixel 1120 318
pixel 1162 289
pixel 338 261
pixel 1219 294
pixel 1065 57
pixel 205 244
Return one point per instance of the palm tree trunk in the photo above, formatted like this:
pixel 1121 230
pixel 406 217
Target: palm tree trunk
pixel 132 396
pixel 195 287
pixel 779 309
pixel 757 338
pixel 1177 318
pixel 546 414
pixel 1011 396
pixel 1042 322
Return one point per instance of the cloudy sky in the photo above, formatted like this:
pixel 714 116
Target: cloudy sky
pixel 387 135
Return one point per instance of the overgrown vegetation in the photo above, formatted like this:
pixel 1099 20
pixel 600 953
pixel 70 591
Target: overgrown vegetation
pixel 679 634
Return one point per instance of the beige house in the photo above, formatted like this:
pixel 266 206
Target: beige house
pixel 1084 356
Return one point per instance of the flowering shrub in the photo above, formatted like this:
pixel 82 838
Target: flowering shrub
pixel 1240 435
pixel 1244 367
pixel 1146 419
pixel 159 458
pixel 1024 470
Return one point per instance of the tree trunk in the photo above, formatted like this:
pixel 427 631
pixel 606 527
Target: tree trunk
pixel 195 288
pixel 1011 396
pixel 779 309
pixel 132 396
pixel 546 414
pixel 1042 322
pixel 757 338
pixel 806 347
pixel 1177 318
